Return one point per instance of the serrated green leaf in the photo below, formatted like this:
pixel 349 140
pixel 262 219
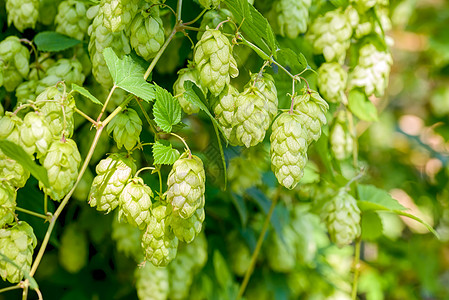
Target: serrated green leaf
pixel 371 225
pixel 128 75
pixel 222 272
pixel 51 41
pixel 166 110
pixel 16 152
pixel 360 106
pixel 296 61
pixel 372 198
pixel 86 94
pixel 164 154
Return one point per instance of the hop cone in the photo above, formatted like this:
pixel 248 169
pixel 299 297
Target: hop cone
pixel 252 118
pixel 342 218
pixel 74 249
pixel 330 35
pixel 239 253
pixel 372 70
pixel 61 161
pixel 71 19
pixel 101 38
pixel 187 229
pixel 38 70
pixel 7 203
pixel 47 11
pixel 10 129
pixel 225 111
pixel 288 149
pixel 17 243
pixel 26 91
pixel 152 283
pixel 282 253
pixel 127 238
pixel 15 59
pixel 159 243
pixel 135 203
pixel 57 107
pixel 186 185
pixel 67 70
pixel 178 89
pixel 12 171
pixel 126 128
pixel 35 134
pixel 214 61
pixel 147 34
pixel 264 86
pixel 313 111
pixel 332 80
pixel 212 18
pixel 210 3
pixel 118 13
pixel 23 13
pixel 112 175
pixel 292 16
pixel 340 138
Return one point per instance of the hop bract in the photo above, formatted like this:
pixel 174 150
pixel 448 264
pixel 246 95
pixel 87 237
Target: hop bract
pixel 214 60
pixel 186 185
pixel 71 19
pixel 135 203
pixel 23 13
pixel 7 203
pixel 112 175
pixel 15 61
pixel 126 128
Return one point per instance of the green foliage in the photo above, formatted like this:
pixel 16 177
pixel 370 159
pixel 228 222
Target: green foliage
pixel 50 41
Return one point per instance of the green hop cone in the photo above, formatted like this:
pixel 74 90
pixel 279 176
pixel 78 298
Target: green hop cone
pixel 74 249
pixel 292 17
pixel 126 128
pixel 288 148
pixel 239 253
pixel 17 243
pixel 39 68
pixel 342 218
pixel 330 35
pixel 187 229
pixel 282 253
pixel 214 61
pixel 340 138
pixel 225 111
pixel 152 282
pixel 159 243
pixel 186 185
pixel 264 86
pixel 135 203
pixel 112 175
pixel 10 129
pixel 147 33
pixel 35 134
pixel 12 171
pixel 210 3
pixel 67 70
pixel 15 59
pixel 7 203
pixel 118 13
pixel 178 89
pixel 71 19
pixel 127 238
pixel 252 118
pixel 26 91
pixel 212 18
pixel 372 70
pixel 332 79
pixel 313 110
pixel 23 13
pixel 61 161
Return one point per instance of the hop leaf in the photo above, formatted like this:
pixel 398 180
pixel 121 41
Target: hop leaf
pixel 178 89
pixel 135 203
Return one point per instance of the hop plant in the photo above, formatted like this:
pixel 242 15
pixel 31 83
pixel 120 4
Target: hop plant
pixel 23 13
pixel 147 33
pixel 186 185
pixel 178 89
pixel 282 253
pixel 159 243
pixel 210 3
pixel 126 128
pixel 340 138
pixel 212 18
pixel 292 17
pixel 35 134
pixel 16 243
pixel 372 70
pixel 61 161
pixel 74 249
pixel 239 253
pixel 332 79
pixel 71 19
pixel 67 70
pixel 225 111
pixel 135 203
pixel 313 110
pixel 39 68
pixel 118 13
pixel 112 175
pixel 26 91
pixel 187 229
pixel 214 61
pixel 15 61
pixel 152 282
pixel 10 128
pixel 12 171
pixel 7 203
pixel 252 118
pixel 330 35
pixel 289 148
pixel 342 218
pixel 127 238
pixel 58 108
pixel 263 84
